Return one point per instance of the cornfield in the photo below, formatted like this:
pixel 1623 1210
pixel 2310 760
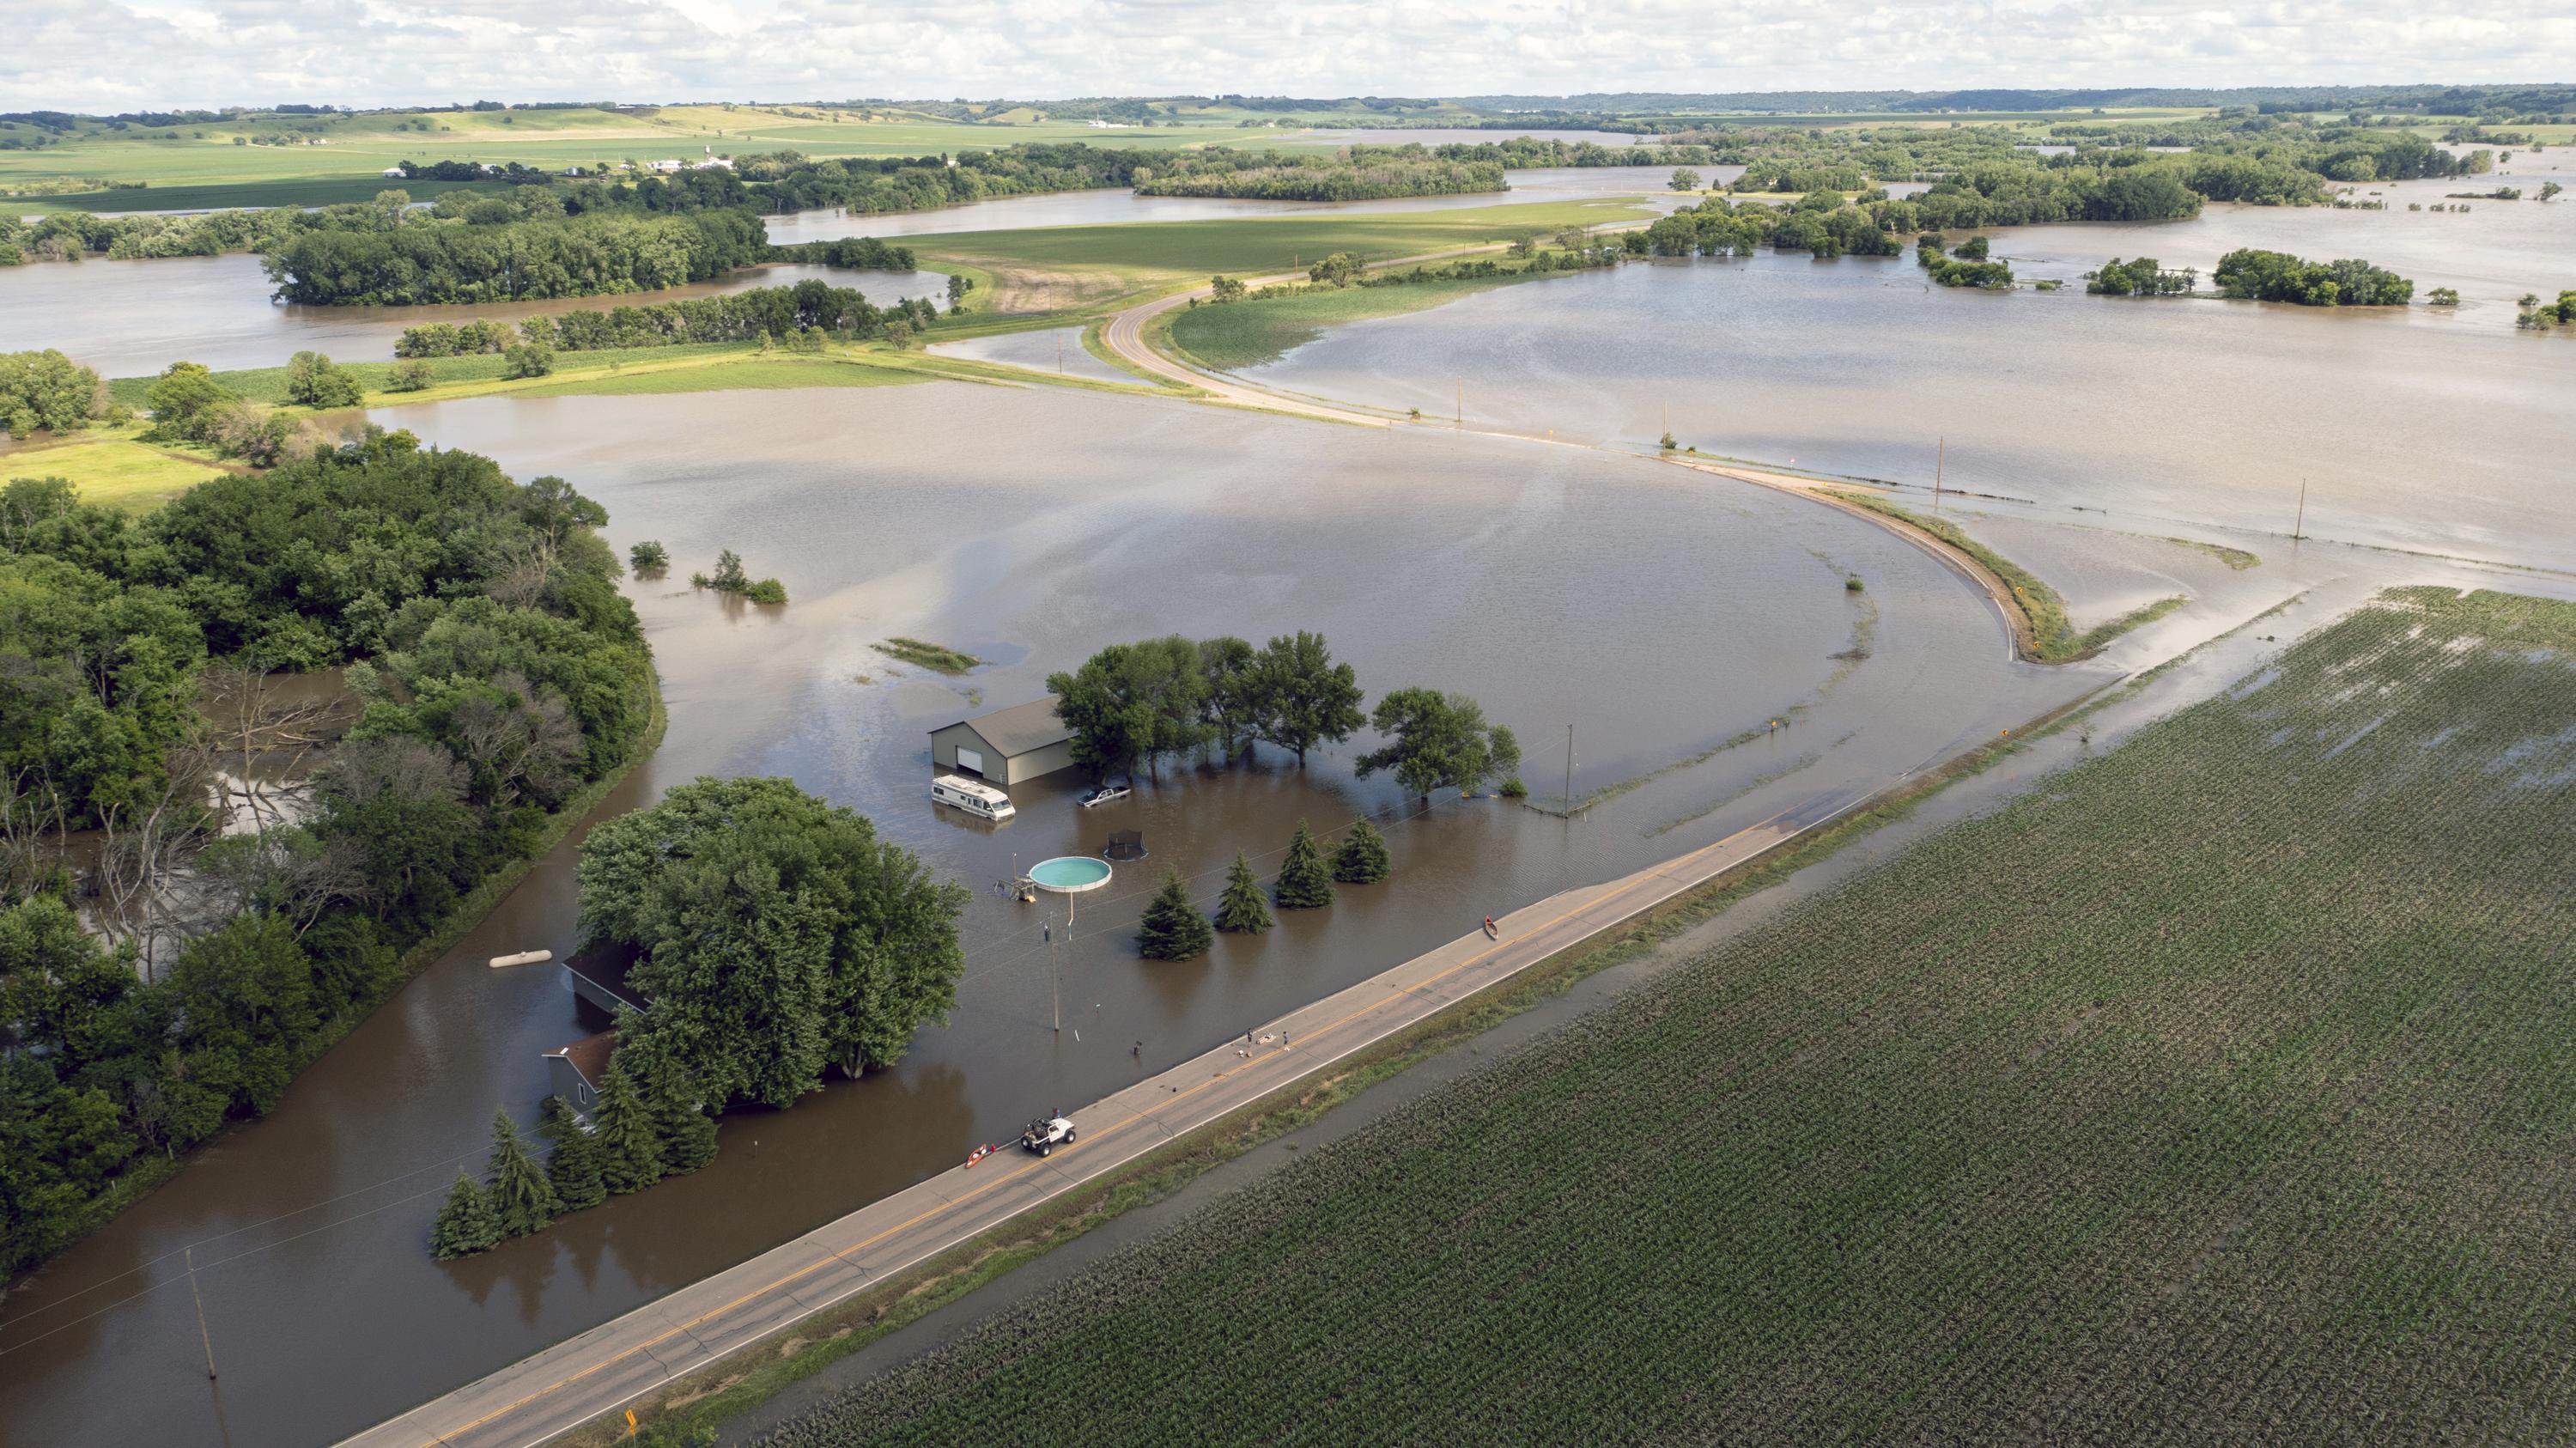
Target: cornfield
pixel 2220 1090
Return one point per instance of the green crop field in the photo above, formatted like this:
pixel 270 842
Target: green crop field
pixel 1067 265
pixel 2219 1090
pixel 1247 334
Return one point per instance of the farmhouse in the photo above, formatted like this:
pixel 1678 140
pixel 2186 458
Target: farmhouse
pixel 1006 746
pixel 574 1071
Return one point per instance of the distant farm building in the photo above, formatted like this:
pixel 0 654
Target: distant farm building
pixel 1006 746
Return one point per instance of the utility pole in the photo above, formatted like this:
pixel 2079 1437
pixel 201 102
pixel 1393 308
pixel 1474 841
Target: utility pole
pixel 1055 980
pixel 203 1336
pixel 1940 456
pixel 1459 420
pixel 1569 762
pixel 1059 351
pixel 2299 529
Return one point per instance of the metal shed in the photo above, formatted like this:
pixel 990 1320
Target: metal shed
pixel 1007 746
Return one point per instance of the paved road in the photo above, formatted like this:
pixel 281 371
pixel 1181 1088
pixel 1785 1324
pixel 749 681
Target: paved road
pixel 603 1369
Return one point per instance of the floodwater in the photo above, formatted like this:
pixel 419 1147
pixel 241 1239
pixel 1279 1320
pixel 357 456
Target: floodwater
pixel 1660 612
pixel 1109 206
pixel 2414 428
pixel 1055 349
pixel 132 318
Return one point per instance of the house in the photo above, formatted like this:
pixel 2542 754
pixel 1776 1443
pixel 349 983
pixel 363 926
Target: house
pixel 573 1072
pixel 665 167
pixel 598 973
pixel 394 173
pixel 1006 746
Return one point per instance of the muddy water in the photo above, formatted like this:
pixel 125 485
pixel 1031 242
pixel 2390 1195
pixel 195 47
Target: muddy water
pixel 2415 429
pixel 1659 612
pixel 1055 349
pixel 131 318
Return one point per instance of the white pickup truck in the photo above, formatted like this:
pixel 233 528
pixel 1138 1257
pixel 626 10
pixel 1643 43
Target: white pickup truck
pixel 1043 1137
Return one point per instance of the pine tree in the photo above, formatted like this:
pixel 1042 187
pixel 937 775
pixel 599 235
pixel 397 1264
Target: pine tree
pixel 630 1148
pixel 521 1196
pixel 1304 882
pixel 467 1224
pixel 573 1166
pixel 688 1134
pixel 1362 860
pixel 1174 928
pixel 1242 908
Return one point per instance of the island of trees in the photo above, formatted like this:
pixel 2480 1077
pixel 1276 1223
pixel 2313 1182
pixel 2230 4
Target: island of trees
pixel 2277 276
pixel 493 677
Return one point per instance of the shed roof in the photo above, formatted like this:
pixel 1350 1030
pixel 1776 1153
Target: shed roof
pixel 1020 729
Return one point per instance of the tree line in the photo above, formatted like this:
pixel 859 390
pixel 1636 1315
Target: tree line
pixel 810 306
pixel 2144 277
pixel 2252 274
pixel 1174 928
pixel 1353 173
pixel 1132 705
pixel 183 977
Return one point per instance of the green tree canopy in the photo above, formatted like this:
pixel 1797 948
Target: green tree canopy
pixel 1173 928
pixel 1241 908
pixel 776 935
pixel 1304 882
pixel 572 1166
pixel 1439 741
pixel 522 1198
pixel 1362 857
pixel 1304 698
pixel 466 1223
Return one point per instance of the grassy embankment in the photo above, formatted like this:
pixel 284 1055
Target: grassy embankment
pixel 111 468
pixel 938 658
pixel 1087 269
pixel 2054 637
pixel 2241 1116
pixel 1246 334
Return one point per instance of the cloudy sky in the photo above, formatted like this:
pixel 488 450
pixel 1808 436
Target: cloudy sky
pixel 101 55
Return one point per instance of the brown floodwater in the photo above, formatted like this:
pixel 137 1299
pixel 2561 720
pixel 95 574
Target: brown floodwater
pixel 1661 613
pixel 2417 428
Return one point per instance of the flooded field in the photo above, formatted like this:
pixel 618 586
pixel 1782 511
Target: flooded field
pixel 1661 613
pixel 2415 429
pixel 1056 349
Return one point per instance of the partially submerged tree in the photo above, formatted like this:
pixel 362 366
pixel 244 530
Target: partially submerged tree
pixel 466 1223
pixel 1437 740
pixel 777 935
pixel 1241 909
pixel 522 1198
pixel 1305 698
pixel 1304 882
pixel 1173 928
pixel 630 1149
pixel 1362 858
pixel 572 1167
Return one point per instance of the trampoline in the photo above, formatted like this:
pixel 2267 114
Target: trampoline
pixel 1125 845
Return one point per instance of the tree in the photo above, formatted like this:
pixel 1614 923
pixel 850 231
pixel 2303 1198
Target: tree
pixel 1304 882
pixel 1362 858
pixel 1337 270
pixel 1225 289
pixel 630 1147
pixel 777 935
pixel 466 1223
pixel 522 1199
pixel 680 1121
pixel 1173 927
pixel 1230 707
pixel 186 399
pixel 1685 179
pixel 1241 908
pixel 527 359
pixel 572 1167
pixel 648 557
pixel 1304 698
pixel 314 380
pixel 411 375
pixel 1134 703
pixel 46 390
pixel 1438 741
pixel 1973 249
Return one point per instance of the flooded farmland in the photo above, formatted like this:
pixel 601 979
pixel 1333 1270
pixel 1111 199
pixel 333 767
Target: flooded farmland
pixel 1661 613
pixel 2420 429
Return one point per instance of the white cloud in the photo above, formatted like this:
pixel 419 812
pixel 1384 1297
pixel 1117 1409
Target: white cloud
pixel 124 54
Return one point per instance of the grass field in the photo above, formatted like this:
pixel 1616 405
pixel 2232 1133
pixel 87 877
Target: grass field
pixel 2219 1090
pixel 111 469
pixel 1247 334
pixel 748 372
pixel 1072 266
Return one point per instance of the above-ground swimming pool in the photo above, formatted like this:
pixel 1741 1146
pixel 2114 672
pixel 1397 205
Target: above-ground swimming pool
pixel 1069 874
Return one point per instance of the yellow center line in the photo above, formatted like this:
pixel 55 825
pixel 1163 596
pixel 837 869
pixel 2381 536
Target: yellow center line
pixel 1113 1128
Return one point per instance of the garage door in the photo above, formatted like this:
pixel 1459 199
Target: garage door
pixel 970 759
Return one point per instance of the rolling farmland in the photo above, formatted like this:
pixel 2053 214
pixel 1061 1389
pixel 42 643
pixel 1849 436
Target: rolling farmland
pixel 2221 1089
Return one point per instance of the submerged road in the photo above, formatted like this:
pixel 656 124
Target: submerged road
pixel 604 1369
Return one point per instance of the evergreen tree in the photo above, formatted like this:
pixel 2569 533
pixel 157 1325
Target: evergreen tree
pixel 573 1166
pixel 671 1098
pixel 1173 928
pixel 1242 908
pixel 522 1198
pixel 630 1148
pixel 1362 859
pixel 466 1224
pixel 1304 882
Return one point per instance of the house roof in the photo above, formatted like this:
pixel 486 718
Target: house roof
pixel 1020 729
pixel 589 1055
pixel 605 965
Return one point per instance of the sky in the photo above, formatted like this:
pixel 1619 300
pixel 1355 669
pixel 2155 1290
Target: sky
pixel 111 55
